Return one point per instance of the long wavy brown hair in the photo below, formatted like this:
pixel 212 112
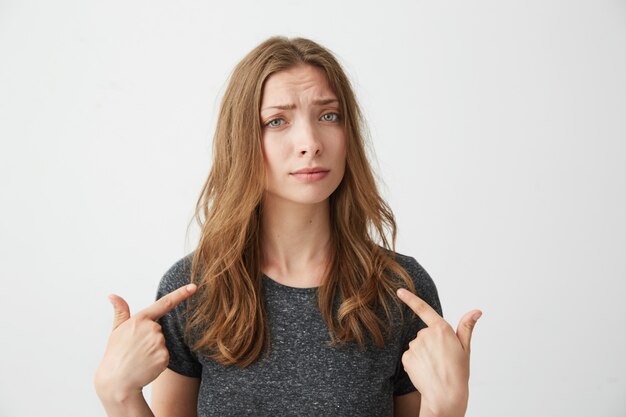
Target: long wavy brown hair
pixel 226 317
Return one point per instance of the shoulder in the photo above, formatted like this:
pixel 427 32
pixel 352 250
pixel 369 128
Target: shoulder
pixel 177 275
pixel 424 284
pixel 421 278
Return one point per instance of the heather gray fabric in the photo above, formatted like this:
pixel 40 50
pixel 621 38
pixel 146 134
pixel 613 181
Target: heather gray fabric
pixel 303 376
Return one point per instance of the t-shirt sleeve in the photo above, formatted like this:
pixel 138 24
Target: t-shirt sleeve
pixel 427 291
pixel 182 359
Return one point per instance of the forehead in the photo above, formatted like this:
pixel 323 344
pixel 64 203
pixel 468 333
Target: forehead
pixel 300 80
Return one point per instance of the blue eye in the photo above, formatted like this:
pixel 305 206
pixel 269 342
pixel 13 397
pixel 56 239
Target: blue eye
pixel 336 117
pixel 272 124
pixel 279 121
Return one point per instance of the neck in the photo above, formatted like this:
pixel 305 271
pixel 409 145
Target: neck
pixel 295 241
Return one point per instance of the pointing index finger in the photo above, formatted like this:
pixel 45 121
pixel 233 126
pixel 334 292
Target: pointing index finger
pixel 420 307
pixel 167 303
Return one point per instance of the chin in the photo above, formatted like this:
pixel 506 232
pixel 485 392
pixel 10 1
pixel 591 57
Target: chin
pixel 301 197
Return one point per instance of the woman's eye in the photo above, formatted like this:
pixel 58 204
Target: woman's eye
pixel 272 124
pixel 328 117
pixel 334 117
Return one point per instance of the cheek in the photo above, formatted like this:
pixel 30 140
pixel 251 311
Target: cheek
pixel 342 150
pixel 340 157
pixel 273 154
pixel 268 151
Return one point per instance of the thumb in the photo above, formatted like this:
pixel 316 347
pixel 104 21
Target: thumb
pixel 121 310
pixel 465 328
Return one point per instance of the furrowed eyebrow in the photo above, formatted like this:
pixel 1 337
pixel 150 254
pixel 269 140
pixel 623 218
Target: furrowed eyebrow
pixel 318 102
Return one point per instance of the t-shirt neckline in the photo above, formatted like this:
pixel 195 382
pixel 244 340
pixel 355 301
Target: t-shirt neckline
pixel 284 287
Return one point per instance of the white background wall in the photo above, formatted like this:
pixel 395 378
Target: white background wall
pixel 499 129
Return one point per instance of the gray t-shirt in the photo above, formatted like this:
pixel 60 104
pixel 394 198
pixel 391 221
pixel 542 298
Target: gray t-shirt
pixel 303 375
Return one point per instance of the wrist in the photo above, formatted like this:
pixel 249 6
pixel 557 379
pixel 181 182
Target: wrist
pixel 125 403
pixel 119 397
pixel 452 406
pixel 111 392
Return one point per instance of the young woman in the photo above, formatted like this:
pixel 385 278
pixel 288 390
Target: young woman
pixel 288 306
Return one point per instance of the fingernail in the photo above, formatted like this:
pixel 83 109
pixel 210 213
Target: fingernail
pixel 477 316
pixel 191 287
pixel 401 292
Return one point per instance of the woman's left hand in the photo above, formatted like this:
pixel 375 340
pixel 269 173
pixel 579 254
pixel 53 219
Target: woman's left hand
pixel 438 359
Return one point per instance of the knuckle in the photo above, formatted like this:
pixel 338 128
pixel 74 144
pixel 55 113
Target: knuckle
pixel 167 302
pixel 134 321
pixel 164 358
pixel 421 307
pixel 441 326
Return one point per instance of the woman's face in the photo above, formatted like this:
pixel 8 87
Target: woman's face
pixel 302 127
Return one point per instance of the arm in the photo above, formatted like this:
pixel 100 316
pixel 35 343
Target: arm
pixel 407 405
pixel 135 355
pixel 410 405
pixel 437 360
pixel 124 405
pixel 175 395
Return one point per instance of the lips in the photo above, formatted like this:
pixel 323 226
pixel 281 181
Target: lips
pixel 310 170
pixel 310 175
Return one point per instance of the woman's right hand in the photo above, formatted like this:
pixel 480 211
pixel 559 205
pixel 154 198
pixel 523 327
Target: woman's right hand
pixel 136 353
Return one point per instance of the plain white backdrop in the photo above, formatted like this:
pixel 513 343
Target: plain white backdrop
pixel 499 135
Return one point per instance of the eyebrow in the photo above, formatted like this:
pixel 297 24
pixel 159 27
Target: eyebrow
pixel 318 102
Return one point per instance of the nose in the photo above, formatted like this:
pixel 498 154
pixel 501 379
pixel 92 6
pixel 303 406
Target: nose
pixel 307 141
